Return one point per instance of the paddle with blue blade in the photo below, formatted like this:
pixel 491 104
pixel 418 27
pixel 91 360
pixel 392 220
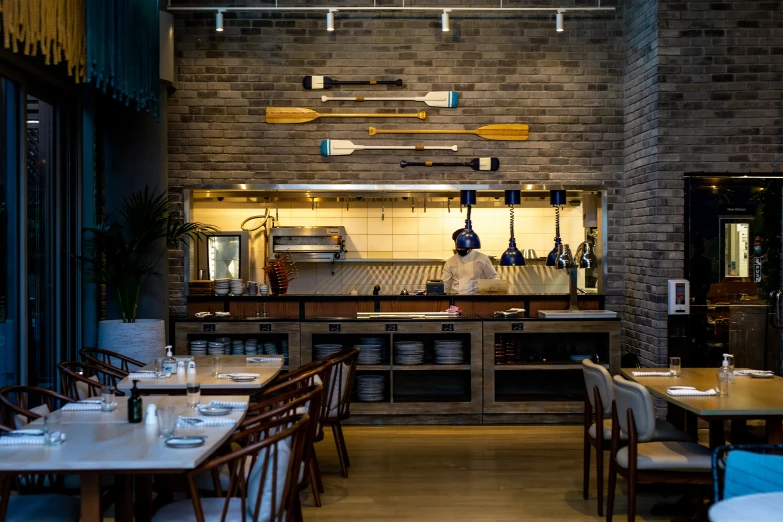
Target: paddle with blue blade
pixel 346 147
pixel 448 99
pixel 476 164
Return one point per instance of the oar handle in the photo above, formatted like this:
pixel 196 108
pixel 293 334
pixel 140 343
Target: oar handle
pixel 422 115
pixel 364 98
pixel 374 131
pixel 367 82
pixel 408 147
pixel 404 164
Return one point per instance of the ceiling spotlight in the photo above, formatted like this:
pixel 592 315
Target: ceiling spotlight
pixel 559 21
pixel 219 21
pixel 444 20
pixel 330 20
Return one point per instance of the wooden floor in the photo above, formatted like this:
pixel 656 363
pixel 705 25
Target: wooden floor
pixel 479 473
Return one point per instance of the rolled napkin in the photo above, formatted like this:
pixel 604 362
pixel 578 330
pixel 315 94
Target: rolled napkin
pixel 82 406
pixel 137 376
pixel 753 372
pixel 238 406
pixel 22 441
pixel 241 375
pixel 652 374
pixel 199 422
pixel 268 359
pixel 688 392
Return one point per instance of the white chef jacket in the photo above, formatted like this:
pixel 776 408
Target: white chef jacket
pixel 461 272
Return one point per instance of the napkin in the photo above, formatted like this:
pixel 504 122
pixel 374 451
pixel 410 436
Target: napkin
pixel 232 375
pixel 680 392
pixel 652 374
pixel 82 406
pixel 238 406
pixel 200 422
pixel 22 441
pixel 752 372
pixel 137 376
pixel 264 359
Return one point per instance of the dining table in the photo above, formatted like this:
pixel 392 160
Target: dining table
pixel 104 443
pixel 266 367
pixel 749 398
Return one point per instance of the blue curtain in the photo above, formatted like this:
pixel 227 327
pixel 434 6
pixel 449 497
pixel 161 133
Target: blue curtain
pixel 123 50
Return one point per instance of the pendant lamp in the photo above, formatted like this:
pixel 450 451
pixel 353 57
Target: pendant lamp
pixel 468 239
pixel 512 256
pixel 557 198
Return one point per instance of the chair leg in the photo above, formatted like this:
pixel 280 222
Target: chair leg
pixel 599 477
pixel 342 443
pixel 611 491
pixel 297 515
pixel 631 497
pixel 317 469
pixel 314 484
pixel 340 454
pixel 586 470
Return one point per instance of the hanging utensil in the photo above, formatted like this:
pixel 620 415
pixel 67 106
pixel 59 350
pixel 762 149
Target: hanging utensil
pixel 502 131
pixel 346 147
pixel 324 82
pixel 302 115
pixel 475 164
pixel 448 99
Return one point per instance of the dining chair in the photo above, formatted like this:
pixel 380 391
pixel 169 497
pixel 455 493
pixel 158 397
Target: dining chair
pixel 262 477
pixel 23 404
pixel 746 469
pixel 84 380
pixel 646 460
pixel 339 390
pixel 111 360
pixel 22 507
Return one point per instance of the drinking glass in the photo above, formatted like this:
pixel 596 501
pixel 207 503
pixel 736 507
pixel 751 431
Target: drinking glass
pixel 675 366
pixel 167 421
pixel 194 394
pixel 159 368
pixel 730 358
pixel 723 384
pixel 107 398
pixel 216 365
pixel 53 431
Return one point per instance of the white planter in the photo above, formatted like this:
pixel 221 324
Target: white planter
pixel 143 340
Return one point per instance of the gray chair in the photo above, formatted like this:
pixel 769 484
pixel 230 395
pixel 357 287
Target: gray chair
pixel 599 398
pixel 645 459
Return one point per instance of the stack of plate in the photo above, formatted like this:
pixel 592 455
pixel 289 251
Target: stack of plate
pixel 449 352
pixel 380 341
pixel 324 350
pixel 270 348
pixel 198 347
pixel 237 347
pixel 237 287
pixel 252 288
pixel 222 286
pixel 215 348
pixel 408 352
pixel 370 388
pixel 251 346
pixel 226 342
pixel 370 353
pixel 284 346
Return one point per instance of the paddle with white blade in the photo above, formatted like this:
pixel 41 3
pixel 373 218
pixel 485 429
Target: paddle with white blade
pixel 346 147
pixel 448 99
pixel 499 131
pixel 476 164
pixel 324 82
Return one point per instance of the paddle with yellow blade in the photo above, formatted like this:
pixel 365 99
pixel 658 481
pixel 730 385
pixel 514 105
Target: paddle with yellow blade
pixel 301 115
pixel 346 147
pixel 500 131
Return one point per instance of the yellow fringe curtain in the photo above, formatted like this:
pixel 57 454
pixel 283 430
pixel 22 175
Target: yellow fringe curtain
pixel 54 29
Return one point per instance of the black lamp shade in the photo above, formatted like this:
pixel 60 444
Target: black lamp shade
pixel 468 239
pixel 512 256
pixel 557 198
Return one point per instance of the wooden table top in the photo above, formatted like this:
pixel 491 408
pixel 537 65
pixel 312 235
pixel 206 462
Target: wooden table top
pixel 230 364
pixel 100 441
pixel 748 397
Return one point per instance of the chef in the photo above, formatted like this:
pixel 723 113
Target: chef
pixel 463 269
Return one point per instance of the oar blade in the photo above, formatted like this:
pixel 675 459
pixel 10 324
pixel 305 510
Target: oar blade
pixel 504 131
pixel 484 164
pixel 317 82
pixel 448 99
pixel 290 115
pixel 337 147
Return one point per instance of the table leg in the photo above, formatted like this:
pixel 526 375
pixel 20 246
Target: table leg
pixel 91 497
pixel 717 437
pixel 123 504
pixel 143 497
pixel 739 431
pixel 774 431
pixel 692 425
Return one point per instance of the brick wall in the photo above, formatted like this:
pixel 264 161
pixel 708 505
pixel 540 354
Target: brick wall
pixel 566 86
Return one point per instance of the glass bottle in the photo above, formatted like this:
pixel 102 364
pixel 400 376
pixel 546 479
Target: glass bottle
pixel 134 405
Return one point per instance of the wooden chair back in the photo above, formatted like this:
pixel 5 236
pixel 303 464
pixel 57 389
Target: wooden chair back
pixel 19 400
pixel 263 451
pixel 340 386
pixel 316 372
pixel 111 360
pixel 82 380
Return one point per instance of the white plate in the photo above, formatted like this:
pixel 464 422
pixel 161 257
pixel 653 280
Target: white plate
pixel 213 411
pixel 185 442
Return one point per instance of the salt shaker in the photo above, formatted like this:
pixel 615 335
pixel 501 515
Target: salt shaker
pixel 180 367
pixel 191 367
pixel 151 415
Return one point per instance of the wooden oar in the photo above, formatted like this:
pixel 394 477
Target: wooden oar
pixel 476 164
pixel 501 131
pixel 345 147
pixel 324 82
pixel 301 115
pixel 433 99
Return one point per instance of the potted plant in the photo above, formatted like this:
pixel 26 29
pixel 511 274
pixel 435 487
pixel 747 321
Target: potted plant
pixel 122 253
